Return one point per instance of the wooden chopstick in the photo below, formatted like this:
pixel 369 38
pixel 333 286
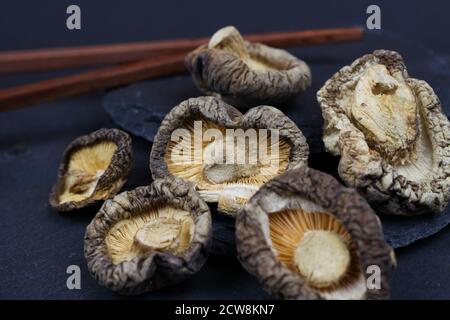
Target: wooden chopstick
pixel 71 57
pixel 52 89
pixel 154 65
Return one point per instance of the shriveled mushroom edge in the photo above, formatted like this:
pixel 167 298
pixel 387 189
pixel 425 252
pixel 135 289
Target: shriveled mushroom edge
pixel 267 117
pixel 364 169
pixel 201 108
pixel 112 179
pixel 254 245
pixel 157 269
pixel 225 75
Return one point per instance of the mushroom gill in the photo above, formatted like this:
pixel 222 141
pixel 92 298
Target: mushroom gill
pixel 306 236
pixel 224 154
pixel 318 247
pixel 160 228
pixel 85 168
pixel 221 170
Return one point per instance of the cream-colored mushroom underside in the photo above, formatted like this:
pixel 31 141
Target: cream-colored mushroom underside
pixel 84 170
pixel 164 229
pixel 385 109
pixel 232 182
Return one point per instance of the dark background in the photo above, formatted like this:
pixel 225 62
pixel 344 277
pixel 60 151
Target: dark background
pixel 37 244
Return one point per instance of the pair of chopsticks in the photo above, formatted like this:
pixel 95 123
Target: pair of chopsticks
pixel 136 61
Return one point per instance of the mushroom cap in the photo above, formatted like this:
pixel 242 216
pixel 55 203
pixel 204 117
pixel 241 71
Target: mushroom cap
pixel 221 115
pixel 394 144
pixel 152 269
pixel 306 188
pixel 96 166
pixel 248 75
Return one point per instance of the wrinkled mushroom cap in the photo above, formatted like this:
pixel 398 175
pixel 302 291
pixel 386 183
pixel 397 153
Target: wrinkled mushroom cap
pixel 246 74
pixel 149 238
pixel 94 167
pixel 391 134
pixel 305 236
pixel 186 128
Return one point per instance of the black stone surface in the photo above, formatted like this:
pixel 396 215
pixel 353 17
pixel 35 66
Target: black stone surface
pixel 401 231
pixel 37 244
pixel 140 107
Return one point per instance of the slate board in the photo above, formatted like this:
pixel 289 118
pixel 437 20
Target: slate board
pixel 140 107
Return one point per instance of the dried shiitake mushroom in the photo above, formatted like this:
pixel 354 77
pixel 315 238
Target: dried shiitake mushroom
pixel 305 236
pixel 246 74
pixel 94 167
pixel 391 134
pixel 202 139
pixel 149 238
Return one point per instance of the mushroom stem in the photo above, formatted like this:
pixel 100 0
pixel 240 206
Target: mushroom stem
pixel 158 234
pixel 79 181
pixel 225 165
pixel 322 257
pixel 385 110
pixel 220 173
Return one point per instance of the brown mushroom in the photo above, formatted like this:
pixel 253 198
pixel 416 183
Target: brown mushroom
pixel 246 74
pixel 305 236
pixel 149 238
pixel 391 134
pixel 184 147
pixel 94 167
